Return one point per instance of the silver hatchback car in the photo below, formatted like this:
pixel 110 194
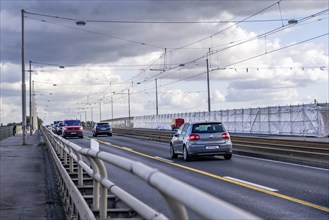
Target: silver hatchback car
pixel 201 139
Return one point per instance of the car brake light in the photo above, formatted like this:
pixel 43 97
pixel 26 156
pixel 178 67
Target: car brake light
pixel 194 137
pixel 226 135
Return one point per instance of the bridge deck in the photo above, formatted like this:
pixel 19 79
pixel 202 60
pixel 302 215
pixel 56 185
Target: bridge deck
pixel 24 191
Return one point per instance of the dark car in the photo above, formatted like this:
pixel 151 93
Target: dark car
pixel 72 128
pixel 102 128
pixel 59 128
pixel 55 125
pixel 201 139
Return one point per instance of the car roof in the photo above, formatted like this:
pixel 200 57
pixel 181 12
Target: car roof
pixel 206 122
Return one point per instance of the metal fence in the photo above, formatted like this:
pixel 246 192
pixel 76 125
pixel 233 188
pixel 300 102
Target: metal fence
pixel 300 120
pixel 7 131
pixel 178 195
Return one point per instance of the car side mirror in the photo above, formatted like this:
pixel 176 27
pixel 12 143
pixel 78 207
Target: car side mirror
pixel 175 134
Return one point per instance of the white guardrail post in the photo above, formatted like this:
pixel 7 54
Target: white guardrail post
pixel 201 203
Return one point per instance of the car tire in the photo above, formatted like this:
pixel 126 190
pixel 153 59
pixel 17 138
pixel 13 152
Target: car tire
pixel 80 136
pixel 227 156
pixel 110 134
pixel 172 152
pixel 185 154
pixel 93 134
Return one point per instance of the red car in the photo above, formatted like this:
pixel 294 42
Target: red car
pixel 176 123
pixel 72 128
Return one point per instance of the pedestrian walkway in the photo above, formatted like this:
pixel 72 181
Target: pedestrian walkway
pixel 23 189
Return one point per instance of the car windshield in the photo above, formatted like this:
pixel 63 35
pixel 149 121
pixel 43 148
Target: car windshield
pixel 72 122
pixel 103 125
pixel 208 128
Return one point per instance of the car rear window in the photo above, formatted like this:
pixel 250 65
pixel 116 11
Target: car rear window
pixel 103 125
pixel 207 128
pixel 72 123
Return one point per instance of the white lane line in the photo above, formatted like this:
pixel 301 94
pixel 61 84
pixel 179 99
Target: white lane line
pixel 127 148
pixel 252 184
pixel 161 158
pixel 281 162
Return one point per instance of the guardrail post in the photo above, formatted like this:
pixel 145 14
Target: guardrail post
pixel 65 157
pixel 177 209
pixel 80 170
pixel 71 163
pixel 103 190
pixel 96 184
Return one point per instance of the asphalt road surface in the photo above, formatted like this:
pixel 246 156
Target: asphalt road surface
pixel 266 188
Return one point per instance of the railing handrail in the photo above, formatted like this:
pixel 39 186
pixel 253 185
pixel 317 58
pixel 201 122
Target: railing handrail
pixel 207 206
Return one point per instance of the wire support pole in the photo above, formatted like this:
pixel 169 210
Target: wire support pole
pixel 30 95
pixel 208 85
pixel 156 98
pixel 23 82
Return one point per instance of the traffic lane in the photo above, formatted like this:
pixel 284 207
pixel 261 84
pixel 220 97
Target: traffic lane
pixel 137 187
pixel 302 182
pixel 266 206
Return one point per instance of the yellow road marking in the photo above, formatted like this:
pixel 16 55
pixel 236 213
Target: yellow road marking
pixel 289 198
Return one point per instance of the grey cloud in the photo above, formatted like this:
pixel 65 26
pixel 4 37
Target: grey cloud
pixel 77 47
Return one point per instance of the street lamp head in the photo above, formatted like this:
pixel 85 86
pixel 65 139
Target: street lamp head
pixel 80 23
pixel 292 21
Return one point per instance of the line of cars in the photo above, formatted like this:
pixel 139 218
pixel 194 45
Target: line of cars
pixel 74 128
pixel 68 128
pixel 189 140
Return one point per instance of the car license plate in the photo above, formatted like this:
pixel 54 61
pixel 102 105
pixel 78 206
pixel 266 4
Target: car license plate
pixel 103 129
pixel 212 147
pixel 73 132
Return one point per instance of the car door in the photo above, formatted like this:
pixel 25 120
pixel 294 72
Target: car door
pixel 180 138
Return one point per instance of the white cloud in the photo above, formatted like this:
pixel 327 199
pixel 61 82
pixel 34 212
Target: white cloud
pixel 101 58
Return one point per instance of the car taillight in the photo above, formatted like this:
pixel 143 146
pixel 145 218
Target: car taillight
pixel 226 135
pixel 194 137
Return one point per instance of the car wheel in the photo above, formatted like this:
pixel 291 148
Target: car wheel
pixel 172 152
pixel 110 134
pixel 185 154
pixel 80 136
pixel 93 134
pixel 227 156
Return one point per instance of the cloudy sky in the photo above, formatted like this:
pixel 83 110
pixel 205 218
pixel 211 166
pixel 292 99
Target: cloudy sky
pixel 260 53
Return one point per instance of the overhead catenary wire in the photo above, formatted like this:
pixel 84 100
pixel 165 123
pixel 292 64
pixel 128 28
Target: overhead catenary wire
pixel 238 62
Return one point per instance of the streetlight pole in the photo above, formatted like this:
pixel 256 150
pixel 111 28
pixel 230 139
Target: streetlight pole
pixel 208 86
pixel 33 108
pixel 31 123
pixel 23 83
pixel 128 104
pixel 156 98
pixel 100 110
pixel 92 117
pixel 112 106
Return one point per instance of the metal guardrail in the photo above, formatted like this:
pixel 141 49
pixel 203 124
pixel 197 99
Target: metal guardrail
pixel 306 152
pixel 179 196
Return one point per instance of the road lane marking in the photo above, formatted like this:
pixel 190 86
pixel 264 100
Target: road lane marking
pixel 164 159
pixel 281 162
pixel 276 194
pixel 252 184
